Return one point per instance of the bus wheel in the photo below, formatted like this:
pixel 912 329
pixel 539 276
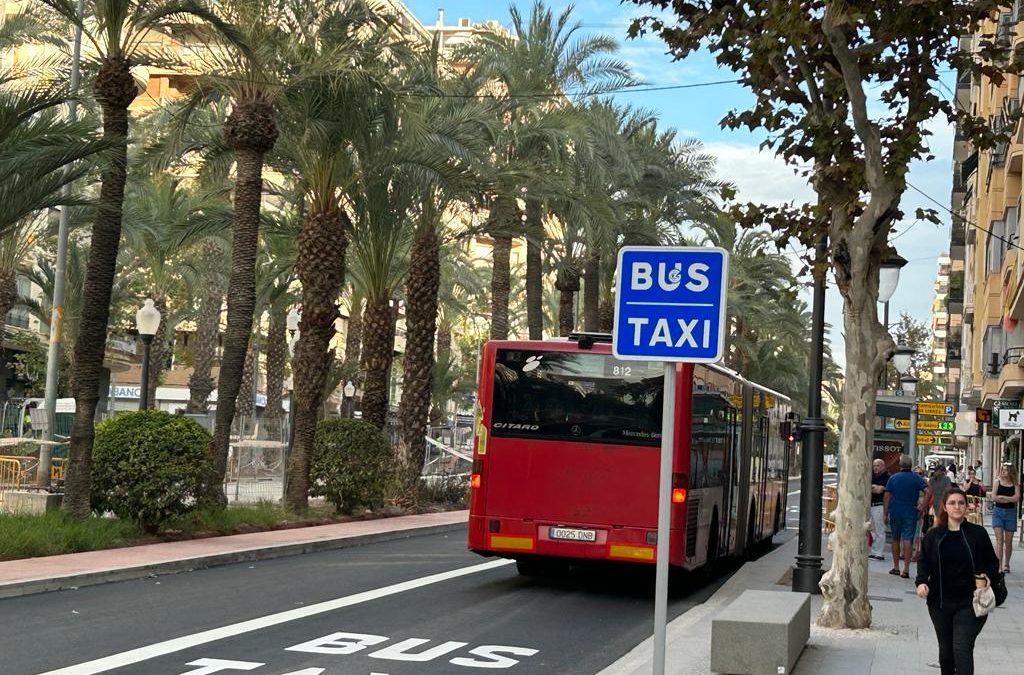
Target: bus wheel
pixel 535 567
pixel 750 531
pixel 778 516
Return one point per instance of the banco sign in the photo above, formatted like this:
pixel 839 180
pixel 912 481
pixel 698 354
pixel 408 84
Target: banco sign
pixel 670 303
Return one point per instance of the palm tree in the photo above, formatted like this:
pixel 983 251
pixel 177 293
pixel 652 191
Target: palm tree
pixel 460 122
pixel 116 30
pixel 211 259
pixel 542 60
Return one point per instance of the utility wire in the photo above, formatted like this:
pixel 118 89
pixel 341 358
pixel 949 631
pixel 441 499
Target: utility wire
pixel 957 216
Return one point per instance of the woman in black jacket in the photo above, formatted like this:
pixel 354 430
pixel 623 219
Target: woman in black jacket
pixel 952 553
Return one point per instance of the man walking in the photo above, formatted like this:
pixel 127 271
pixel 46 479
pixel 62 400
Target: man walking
pixel 901 513
pixel 879 479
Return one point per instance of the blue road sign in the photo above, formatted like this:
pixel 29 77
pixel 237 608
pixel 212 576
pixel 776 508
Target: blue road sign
pixel 670 304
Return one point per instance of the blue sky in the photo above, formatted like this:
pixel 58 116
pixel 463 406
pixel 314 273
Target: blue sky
pixel 758 175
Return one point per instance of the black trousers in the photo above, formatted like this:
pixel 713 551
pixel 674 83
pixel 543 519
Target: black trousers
pixel 956 628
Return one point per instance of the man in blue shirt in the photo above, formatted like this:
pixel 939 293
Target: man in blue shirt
pixel 901 512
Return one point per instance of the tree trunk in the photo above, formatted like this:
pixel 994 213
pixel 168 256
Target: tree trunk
pixel 534 269
pixel 444 358
pixel 592 293
pixel 421 289
pixel 868 345
pixel 8 294
pixel 204 350
pixel 353 337
pixel 115 90
pixel 320 266
pixel 250 131
pixel 378 354
pixel 568 284
pixel 605 317
pixel 158 349
pixel 501 271
pixel 277 360
pixel 246 401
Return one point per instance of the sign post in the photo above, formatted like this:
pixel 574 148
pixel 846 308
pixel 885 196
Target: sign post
pixel 670 307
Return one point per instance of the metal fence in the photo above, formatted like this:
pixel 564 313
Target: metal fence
pixel 257 459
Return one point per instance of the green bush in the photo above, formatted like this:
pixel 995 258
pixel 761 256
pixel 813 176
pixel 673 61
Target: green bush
pixel 353 465
pixel 148 467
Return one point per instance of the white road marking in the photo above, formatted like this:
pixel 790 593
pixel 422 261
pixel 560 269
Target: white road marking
pixel 188 641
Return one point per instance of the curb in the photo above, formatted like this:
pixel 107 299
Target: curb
pixel 16 589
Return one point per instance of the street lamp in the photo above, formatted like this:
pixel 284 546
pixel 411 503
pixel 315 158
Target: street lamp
pixel 147 321
pixel 807 572
pixel 889 277
pixel 349 391
pixel 903 359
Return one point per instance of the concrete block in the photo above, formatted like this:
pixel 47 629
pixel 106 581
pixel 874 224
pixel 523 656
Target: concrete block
pixel 761 633
pixel 35 503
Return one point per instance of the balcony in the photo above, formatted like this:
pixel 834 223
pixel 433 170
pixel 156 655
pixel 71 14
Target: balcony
pixel 1011 375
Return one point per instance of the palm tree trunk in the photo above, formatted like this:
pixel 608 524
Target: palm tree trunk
pixel 378 354
pixel 605 317
pixel 204 351
pixel 501 271
pixel 250 131
pixel 8 294
pixel 353 337
pixel 421 290
pixel 444 356
pixel 592 293
pixel 158 350
pixel 277 360
pixel 534 270
pixel 568 284
pixel 246 401
pixel 115 90
pixel 320 266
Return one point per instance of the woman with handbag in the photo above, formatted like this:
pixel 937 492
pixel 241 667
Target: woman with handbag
pixel 957 559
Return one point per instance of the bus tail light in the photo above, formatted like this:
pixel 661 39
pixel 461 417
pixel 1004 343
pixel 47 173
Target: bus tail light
pixel 678 495
pixel 477 475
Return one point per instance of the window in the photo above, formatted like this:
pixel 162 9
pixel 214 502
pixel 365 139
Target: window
pixel 713 423
pixel 1011 226
pixel 994 247
pixel 993 343
pixel 573 396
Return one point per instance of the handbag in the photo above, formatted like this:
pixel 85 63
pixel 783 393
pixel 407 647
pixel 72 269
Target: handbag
pixel 984 601
pixel 996 586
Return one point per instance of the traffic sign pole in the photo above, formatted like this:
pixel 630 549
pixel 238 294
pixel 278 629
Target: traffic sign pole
pixel 913 433
pixel 664 504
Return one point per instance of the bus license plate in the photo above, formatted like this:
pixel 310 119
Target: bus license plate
pixel 572 534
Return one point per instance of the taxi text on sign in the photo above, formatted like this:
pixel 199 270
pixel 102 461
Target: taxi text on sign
pixel 670 304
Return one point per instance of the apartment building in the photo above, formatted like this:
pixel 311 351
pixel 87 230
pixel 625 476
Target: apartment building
pixel 984 356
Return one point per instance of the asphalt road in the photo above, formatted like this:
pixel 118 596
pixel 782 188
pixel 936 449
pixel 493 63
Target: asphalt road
pixel 423 605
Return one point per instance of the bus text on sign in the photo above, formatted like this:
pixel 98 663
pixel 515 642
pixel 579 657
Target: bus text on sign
pixel 670 304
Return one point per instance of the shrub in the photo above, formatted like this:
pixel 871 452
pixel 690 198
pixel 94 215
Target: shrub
pixel 148 467
pixel 353 465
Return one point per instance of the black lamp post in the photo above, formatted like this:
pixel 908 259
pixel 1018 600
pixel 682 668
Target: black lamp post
pixel 147 322
pixel 807 572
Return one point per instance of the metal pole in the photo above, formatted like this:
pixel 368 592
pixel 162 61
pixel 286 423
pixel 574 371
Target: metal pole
pixel 883 380
pixel 59 280
pixel 144 393
pixel 807 573
pixel 668 435
pixel 912 443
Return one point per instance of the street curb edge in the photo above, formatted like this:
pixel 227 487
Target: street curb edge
pixel 16 589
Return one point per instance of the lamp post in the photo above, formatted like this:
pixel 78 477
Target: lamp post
pixel 903 361
pixel 292 325
pixel 349 391
pixel 888 279
pixel 807 573
pixel 147 321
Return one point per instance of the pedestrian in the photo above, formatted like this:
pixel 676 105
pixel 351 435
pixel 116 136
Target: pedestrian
pixel 978 470
pixel 956 557
pixel 901 513
pixel 972 485
pixel 939 484
pixel 879 478
pixel 1004 515
pixel 951 472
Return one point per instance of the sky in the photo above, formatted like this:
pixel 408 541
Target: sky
pixel 758 174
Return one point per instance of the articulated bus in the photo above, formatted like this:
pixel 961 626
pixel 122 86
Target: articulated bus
pixel 566 457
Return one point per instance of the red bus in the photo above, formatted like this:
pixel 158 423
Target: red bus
pixel 566 457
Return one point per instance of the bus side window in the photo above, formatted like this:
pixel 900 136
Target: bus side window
pixel 709 441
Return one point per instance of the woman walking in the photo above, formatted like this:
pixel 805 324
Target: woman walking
pixel 956 557
pixel 1004 515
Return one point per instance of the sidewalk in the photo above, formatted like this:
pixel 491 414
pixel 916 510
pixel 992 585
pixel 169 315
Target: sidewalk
pixel 901 639
pixel 36 575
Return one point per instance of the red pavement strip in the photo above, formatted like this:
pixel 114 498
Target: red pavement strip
pixel 51 573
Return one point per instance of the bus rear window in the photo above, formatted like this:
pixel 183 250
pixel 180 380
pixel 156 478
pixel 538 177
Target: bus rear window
pixel 574 396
